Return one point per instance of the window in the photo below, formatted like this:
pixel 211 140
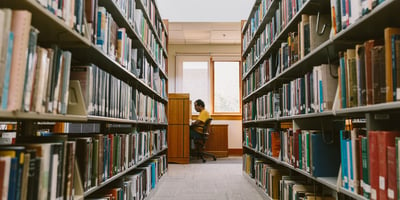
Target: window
pixel 195 81
pixel 226 87
pixel 217 83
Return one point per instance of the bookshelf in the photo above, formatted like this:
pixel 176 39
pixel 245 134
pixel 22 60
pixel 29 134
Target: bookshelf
pixel 278 86
pixel 121 97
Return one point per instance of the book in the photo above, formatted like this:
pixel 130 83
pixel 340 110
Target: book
pixel 40 82
pixel 360 67
pixel 325 156
pixel 30 70
pixel 20 26
pixel 389 32
pixel 385 139
pixel 378 74
pixel 391 171
pixel 319 30
pixel 6 44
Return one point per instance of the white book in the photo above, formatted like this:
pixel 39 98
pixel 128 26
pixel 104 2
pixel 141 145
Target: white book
pixel 40 87
pixel 53 181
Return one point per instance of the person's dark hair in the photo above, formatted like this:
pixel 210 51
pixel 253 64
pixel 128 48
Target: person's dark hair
pixel 199 102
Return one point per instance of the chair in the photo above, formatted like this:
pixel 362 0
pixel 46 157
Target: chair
pixel 200 143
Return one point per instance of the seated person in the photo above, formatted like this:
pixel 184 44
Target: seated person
pixel 196 128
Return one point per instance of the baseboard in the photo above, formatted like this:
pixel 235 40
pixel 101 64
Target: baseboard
pixel 235 152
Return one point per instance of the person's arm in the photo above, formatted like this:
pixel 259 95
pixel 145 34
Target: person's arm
pixel 197 123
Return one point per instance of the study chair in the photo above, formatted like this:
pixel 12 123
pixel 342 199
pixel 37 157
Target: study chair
pixel 201 142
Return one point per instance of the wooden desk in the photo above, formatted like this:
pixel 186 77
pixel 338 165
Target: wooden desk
pixel 217 142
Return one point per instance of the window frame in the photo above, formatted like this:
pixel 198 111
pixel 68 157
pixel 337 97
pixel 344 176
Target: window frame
pixel 211 60
pixel 212 79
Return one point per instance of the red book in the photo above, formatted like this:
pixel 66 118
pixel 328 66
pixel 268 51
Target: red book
pixel 276 143
pixel 385 139
pixel 391 163
pixel 2 170
pixel 373 163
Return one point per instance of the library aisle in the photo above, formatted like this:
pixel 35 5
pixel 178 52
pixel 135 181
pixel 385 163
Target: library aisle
pixel 221 179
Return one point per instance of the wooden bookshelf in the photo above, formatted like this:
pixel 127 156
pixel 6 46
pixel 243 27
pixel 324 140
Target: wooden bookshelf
pixel 53 30
pixel 43 19
pixel 256 49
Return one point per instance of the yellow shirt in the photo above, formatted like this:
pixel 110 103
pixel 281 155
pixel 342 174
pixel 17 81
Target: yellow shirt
pixel 203 116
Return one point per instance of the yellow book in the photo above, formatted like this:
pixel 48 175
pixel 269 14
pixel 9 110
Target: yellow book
pixel 389 32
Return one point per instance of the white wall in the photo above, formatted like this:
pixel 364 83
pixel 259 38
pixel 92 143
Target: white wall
pixel 205 10
pixel 234 126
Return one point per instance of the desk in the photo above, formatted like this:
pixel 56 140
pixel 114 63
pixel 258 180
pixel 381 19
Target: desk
pixel 217 142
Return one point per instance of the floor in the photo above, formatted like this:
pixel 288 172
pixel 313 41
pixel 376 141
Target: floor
pixel 213 180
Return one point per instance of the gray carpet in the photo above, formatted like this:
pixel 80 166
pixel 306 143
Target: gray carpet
pixel 213 180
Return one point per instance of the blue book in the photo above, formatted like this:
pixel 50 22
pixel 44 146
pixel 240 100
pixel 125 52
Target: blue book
pixel 343 146
pixel 394 65
pixel 4 101
pixel 343 80
pixel 325 155
pixel 153 175
pixel 12 187
pixel 321 96
pixel 350 164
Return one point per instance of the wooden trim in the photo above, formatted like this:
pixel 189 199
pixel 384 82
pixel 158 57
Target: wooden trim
pixel 221 117
pixel 235 152
pixel 178 95
pixel 286 125
pixel 212 80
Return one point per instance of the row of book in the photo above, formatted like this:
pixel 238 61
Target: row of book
pixel 279 183
pixel 299 43
pixel 311 93
pixel 313 151
pixel 115 42
pixel 136 184
pixel 148 109
pixel 70 11
pixel 43 167
pixel 93 21
pixel 156 20
pixel 370 162
pixel 370 72
pixel 32 78
pixel 131 13
pixel 264 107
pixel 108 96
pixel 286 10
pixel 345 12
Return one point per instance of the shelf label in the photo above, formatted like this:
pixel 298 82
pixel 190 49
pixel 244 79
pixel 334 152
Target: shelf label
pixel 390 194
pixel 381 182
pixel 373 193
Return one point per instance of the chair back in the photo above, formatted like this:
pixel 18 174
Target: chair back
pixel 207 126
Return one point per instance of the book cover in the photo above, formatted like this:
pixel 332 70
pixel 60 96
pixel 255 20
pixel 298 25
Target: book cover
pixel 360 67
pixel 325 156
pixel 385 139
pixel 378 74
pixel 373 164
pixel 391 171
pixel 20 26
pixel 389 32
pixel 30 69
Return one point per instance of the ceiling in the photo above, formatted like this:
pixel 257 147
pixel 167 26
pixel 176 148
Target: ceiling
pixel 204 32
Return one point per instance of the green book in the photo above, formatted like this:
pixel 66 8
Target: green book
pixel 365 167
